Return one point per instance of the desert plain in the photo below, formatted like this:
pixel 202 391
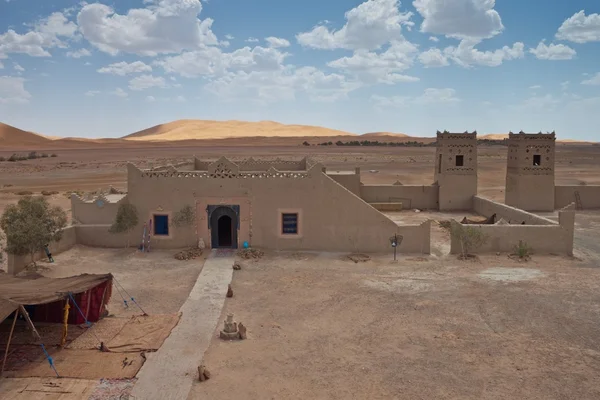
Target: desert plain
pixel 321 326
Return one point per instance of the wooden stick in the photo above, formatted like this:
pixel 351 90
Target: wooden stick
pixel 26 315
pixel 12 329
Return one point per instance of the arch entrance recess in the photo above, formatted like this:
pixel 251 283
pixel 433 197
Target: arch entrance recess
pixel 224 225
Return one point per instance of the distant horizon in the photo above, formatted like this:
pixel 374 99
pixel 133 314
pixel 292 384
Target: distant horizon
pixel 409 135
pixel 105 69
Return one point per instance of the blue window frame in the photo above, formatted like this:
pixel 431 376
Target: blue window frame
pixel 289 223
pixel 161 225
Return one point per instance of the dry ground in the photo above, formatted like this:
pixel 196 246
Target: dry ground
pixel 320 327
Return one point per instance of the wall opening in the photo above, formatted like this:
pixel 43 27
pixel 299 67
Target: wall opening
pixel 225 229
pixel 161 225
pixel 440 164
pixel 537 160
pixel 223 224
pixel 289 223
pixel 460 161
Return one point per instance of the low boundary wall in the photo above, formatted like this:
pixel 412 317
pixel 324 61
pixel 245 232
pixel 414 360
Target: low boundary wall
pixel 421 197
pixel 17 263
pixel 487 208
pixel 542 239
pixel 565 195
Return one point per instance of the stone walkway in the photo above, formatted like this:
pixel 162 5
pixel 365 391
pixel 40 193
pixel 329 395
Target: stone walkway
pixel 170 372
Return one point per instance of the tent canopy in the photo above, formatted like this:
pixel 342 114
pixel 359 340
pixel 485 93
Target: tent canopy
pixel 18 291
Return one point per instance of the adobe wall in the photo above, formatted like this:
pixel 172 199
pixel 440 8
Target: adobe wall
pixel 487 208
pixel 411 197
pixel 98 236
pixel 350 181
pixel 94 212
pixel 331 218
pixel 542 239
pixel 17 263
pixel 565 195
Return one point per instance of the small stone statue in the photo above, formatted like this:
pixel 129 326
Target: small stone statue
pixel 230 329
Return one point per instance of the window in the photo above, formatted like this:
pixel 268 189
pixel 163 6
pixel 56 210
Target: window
pixel 289 223
pixel 161 225
pixel 537 160
pixel 440 164
pixel 460 161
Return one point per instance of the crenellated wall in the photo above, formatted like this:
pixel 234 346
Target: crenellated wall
pixel 100 210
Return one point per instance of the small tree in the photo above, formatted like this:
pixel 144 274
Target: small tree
pixel 31 224
pixel 470 238
pixel 125 221
pixel 305 143
pixel 184 217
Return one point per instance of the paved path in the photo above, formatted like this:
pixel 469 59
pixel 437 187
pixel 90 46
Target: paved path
pixel 170 372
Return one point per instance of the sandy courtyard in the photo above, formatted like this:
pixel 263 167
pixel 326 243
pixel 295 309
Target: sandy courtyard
pixel 321 327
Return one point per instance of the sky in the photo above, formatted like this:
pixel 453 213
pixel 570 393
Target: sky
pixel 107 69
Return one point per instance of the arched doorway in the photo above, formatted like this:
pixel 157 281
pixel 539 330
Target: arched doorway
pixel 223 227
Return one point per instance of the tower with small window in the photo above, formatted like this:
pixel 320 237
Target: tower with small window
pixel 530 171
pixel 456 170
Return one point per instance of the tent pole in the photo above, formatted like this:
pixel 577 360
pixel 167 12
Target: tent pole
pixel 26 315
pixel 12 329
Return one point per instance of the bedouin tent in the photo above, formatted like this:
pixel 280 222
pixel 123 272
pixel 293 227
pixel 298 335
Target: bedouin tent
pixel 91 294
pixel 50 300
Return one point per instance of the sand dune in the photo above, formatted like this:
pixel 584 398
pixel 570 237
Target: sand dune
pixel 199 129
pixel 15 137
pixel 385 134
pixel 494 136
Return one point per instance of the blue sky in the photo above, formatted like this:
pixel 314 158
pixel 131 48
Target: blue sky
pixel 107 69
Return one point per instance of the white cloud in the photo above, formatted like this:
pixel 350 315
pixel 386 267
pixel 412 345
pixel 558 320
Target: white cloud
pixel 283 84
pixel 463 19
pixel 87 63
pixel 229 37
pixel 466 55
pixel 434 39
pixel 45 35
pixel 429 96
pixel 150 99
pixel 580 28
pixel 146 81
pixel 565 85
pixel 275 42
pixel 12 90
pixel 17 67
pixel 383 67
pixel 252 40
pixel 433 58
pixel 119 92
pixel 92 93
pixel 538 104
pixel 79 53
pixel 368 26
pixel 433 95
pixel 553 52
pixel 535 87
pixel 595 80
pixel 165 26
pixel 1 65
pixel 180 99
pixel 211 61
pixel 122 68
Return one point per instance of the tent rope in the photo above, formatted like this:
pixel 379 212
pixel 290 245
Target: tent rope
pixel 50 360
pixel 123 297
pixel 88 323
pixel 130 296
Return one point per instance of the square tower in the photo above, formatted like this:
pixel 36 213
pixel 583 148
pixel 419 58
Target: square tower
pixel 530 171
pixel 456 170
